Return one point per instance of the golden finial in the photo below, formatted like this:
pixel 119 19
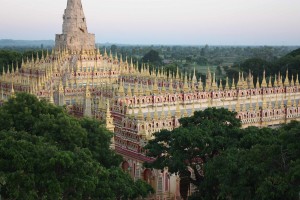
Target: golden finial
pixel 129 93
pixel 177 112
pixel 297 81
pixel 148 115
pixel 162 114
pixel 264 82
pixel 227 84
pixel 286 81
pixel 238 105
pixel 155 116
pixel 169 115
pixel 185 113
pixel 140 113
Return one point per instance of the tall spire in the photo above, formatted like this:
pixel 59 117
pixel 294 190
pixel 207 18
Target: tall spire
pixel 75 35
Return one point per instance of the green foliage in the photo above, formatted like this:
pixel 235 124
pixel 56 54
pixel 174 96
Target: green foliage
pixel 152 57
pixel 170 69
pixel 257 65
pixel 230 162
pixel 9 58
pixel 294 53
pixel 202 61
pixel 47 154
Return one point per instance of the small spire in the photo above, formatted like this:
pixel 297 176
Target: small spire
pixel 282 103
pixel 129 93
pixel 148 116
pixel 193 108
pixel 177 112
pixel 177 73
pixel 238 84
pixel 136 89
pixel 276 102
pixel 275 81
pixel 87 90
pixel 155 87
pixel 244 105
pixel 169 115
pixel 230 106
pixel 2 94
pixel 292 81
pixel 185 84
pixel 270 104
pixel 200 85
pixel 163 90
pixel 286 81
pixel 289 102
pixel 220 85
pixel 270 82
pixel 264 105
pixel 61 87
pixel 185 113
pixel 257 105
pixel 233 84
pixel 264 82
pixel 258 83
pixel 121 89
pixel 140 113
pixel 12 92
pixel 238 105
pixel 227 84
pixel 250 104
pixel 297 81
pixel 51 99
pixel 155 116
pixel 162 114
pixel 194 75
pixel 294 102
pixel 147 89
pixel 214 84
pixel 171 86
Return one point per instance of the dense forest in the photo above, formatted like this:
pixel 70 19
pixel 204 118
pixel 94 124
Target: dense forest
pixel 47 154
pixel 223 161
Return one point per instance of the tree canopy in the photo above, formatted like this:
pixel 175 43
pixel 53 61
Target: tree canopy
pixel 290 62
pixel 211 151
pixel 47 154
pixel 14 58
pixel 152 57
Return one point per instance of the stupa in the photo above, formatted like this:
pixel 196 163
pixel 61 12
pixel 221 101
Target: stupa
pixel 75 36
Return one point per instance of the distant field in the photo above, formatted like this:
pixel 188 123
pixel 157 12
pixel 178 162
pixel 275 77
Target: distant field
pixel 203 69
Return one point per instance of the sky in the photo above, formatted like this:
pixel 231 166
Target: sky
pixel 169 22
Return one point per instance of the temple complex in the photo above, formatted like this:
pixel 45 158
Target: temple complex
pixel 135 101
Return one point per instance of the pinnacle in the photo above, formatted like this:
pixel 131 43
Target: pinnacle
pixel 75 36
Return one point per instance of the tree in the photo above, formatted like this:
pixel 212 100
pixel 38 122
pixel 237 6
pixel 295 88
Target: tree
pixel 198 140
pixel 262 166
pixel 114 49
pixel 229 162
pixel 47 154
pixel 152 57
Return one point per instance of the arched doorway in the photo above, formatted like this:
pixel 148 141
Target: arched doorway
pixel 125 166
pixel 147 175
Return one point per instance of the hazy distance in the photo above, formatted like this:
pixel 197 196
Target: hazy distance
pixel 184 22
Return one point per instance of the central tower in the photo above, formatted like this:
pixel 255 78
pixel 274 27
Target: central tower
pixel 75 36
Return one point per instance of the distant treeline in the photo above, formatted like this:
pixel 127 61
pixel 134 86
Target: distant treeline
pixel 9 58
pixel 256 66
pixel 26 43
